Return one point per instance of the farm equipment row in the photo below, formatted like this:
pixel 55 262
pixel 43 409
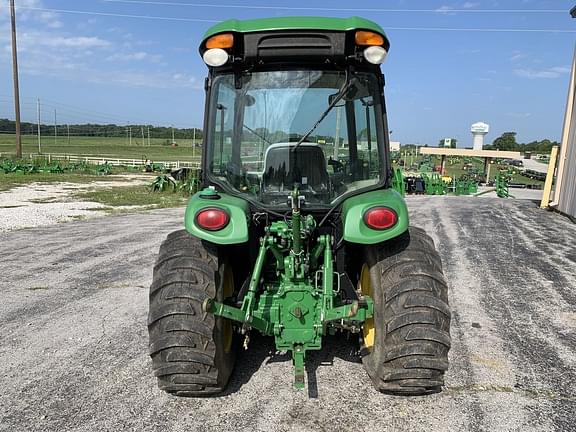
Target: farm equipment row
pixel 433 184
pixel 39 166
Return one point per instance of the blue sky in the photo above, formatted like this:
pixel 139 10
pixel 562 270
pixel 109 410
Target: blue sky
pixel 120 69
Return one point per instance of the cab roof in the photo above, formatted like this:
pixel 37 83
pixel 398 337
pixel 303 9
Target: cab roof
pixel 294 23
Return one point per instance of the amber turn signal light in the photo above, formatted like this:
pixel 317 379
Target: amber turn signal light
pixel 368 38
pixel 224 40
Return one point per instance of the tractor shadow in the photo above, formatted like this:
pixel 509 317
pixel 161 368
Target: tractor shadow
pixel 262 350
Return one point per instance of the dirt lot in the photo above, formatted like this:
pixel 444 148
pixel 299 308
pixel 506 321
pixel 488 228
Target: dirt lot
pixel 73 339
pixel 41 204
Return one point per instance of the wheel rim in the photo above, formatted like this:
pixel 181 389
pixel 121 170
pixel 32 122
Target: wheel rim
pixel 368 330
pixel 227 291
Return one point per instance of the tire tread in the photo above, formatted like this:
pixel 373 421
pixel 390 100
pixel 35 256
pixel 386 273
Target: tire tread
pixel 410 356
pixel 186 358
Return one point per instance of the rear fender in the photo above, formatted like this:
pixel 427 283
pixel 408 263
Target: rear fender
pixel 237 229
pixel 353 209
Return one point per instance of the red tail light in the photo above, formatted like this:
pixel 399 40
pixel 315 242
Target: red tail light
pixel 212 219
pixel 380 218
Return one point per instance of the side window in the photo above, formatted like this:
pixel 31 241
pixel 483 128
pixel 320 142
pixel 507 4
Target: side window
pixel 224 127
pixel 366 137
pixel 256 135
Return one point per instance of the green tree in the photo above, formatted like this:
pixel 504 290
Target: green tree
pixel 506 141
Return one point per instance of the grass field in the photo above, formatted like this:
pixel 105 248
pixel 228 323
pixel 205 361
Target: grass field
pixel 107 147
pixel 135 195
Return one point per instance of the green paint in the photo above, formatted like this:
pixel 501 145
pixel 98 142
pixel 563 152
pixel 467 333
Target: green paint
pixel 294 23
pixel 501 182
pixel 237 229
pixel 433 184
pixel 353 209
pixel 398 182
pixel 293 290
pixel 300 305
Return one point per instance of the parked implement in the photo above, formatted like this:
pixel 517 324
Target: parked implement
pixel 297 232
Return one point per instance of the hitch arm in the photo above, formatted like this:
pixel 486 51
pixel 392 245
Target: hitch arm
pixel 245 315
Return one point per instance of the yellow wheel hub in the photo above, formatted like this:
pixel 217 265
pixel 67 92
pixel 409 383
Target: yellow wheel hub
pixel 227 291
pixel 368 330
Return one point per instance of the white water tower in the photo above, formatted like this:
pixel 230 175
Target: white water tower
pixel 478 131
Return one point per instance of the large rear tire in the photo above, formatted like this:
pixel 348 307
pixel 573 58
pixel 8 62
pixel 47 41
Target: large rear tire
pixel 192 351
pixel 406 343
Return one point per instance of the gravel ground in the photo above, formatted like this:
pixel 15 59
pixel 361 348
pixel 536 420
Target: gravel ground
pixel 535 165
pixel 73 339
pixel 42 204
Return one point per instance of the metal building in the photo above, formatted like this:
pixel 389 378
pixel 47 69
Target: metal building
pixel 565 190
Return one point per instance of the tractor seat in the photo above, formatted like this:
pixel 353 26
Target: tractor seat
pixel 285 165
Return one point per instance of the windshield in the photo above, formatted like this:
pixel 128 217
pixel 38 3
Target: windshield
pixel 262 141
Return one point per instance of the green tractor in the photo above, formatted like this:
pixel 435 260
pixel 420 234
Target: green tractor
pixel 297 232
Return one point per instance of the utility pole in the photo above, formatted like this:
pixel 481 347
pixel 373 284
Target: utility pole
pixel 15 79
pixel 130 129
pixel 142 130
pixel 173 141
pixel 148 136
pixel 55 128
pixel 68 127
pixel 193 142
pixel 39 133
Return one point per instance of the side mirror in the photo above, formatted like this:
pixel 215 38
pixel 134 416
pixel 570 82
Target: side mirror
pixel 249 100
pixel 350 95
pixel 340 103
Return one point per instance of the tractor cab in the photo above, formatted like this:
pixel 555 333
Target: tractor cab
pixel 295 106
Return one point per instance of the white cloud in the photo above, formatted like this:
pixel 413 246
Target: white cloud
pixel 519 114
pixel 42 41
pixel 469 51
pixel 50 19
pixel 517 55
pixel 548 73
pixel 24 15
pixel 161 80
pixel 77 54
pixel 75 42
pixel 450 10
pixel 446 10
pixel 135 56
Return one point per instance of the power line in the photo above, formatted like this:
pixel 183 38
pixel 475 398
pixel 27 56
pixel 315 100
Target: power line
pixel 308 8
pixel 78 12
pixel 485 30
pixel 152 17
pixel 75 109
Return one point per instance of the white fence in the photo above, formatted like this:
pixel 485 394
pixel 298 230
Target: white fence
pixel 101 160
